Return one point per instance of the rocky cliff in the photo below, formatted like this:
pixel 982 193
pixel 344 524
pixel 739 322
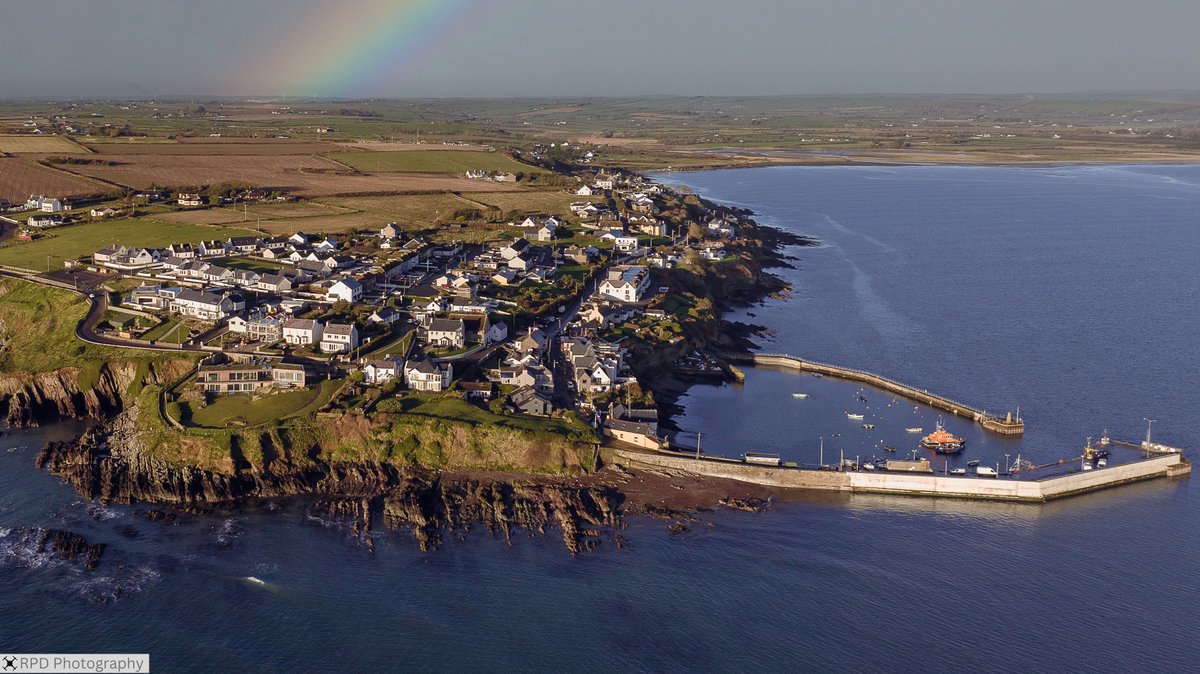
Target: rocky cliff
pixel 108 464
pixel 77 393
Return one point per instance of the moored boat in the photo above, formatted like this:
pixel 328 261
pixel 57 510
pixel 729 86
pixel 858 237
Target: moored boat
pixel 943 442
pixel 914 429
pixel 855 417
pixel 800 396
pixel 868 426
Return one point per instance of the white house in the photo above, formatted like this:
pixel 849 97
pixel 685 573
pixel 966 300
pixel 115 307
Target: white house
pixel 547 232
pixel 446 332
pixel 200 304
pixel 339 338
pixel 346 289
pixel 584 191
pixel 302 331
pixel 497 332
pixel 382 371
pixel 626 244
pixel 189 199
pixel 422 374
pixel 626 284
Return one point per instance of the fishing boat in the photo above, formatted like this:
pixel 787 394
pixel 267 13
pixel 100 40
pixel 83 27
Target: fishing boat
pixel 914 429
pixel 800 396
pixel 868 426
pixel 943 442
pixel 817 375
pixel 855 417
pixel 889 448
pixel 985 471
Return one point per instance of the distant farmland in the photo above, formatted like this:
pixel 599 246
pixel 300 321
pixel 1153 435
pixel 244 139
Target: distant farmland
pixel 429 161
pixel 39 145
pixel 300 174
pixel 20 178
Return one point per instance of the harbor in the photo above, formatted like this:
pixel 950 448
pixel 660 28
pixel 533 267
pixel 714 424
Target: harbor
pixel 915 481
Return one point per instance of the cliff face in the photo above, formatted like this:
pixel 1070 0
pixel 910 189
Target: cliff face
pixel 109 465
pixel 73 393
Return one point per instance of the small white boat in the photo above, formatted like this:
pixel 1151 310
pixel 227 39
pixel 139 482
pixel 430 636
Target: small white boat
pixel 958 471
pixel 800 396
pixel 855 417
pixel 985 471
pixel 914 429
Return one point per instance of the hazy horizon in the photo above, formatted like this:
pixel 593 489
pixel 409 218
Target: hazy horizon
pixel 407 49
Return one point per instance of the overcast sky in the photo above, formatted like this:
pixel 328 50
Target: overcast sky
pixel 497 48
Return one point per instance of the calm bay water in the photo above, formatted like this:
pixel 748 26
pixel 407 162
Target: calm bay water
pixel 1069 291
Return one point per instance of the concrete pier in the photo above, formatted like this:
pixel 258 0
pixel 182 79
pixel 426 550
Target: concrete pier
pixel 991 422
pixel 918 484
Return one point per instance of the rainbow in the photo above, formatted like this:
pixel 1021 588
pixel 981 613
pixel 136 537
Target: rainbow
pixel 363 48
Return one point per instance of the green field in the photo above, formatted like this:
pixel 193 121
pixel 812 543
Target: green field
pixel 456 409
pixel 76 241
pixel 37 331
pixel 429 161
pixel 242 410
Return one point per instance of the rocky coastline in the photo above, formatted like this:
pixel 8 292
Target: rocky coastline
pixel 110 464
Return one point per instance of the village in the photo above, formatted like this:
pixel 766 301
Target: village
pixel 533 324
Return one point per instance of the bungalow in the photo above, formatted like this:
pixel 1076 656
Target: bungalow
pixel 505 177
pixel 249 377
pixel 339 338
pixel 302 331
pixel 274 283
pixel 103 212
pixel 446 332
pixel 189 199
pixel 585 191
pixel 422 374
pixel 345 290
pixel 384 316
pixel 157 298
pixel 183 251
pixel 326 245
pixel 125 259
pixel 44 221
pixel 242 245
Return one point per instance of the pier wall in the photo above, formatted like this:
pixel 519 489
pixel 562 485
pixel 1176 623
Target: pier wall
pixel 784 361
pixel 917 484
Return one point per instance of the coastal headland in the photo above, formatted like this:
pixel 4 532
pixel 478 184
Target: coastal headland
pixel 415 335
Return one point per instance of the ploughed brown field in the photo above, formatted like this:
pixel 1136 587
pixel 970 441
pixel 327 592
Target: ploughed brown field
pixel 213 146
pixel 21 177
pixel 298 174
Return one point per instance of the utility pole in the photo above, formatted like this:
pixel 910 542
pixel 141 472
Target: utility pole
pixel 698 445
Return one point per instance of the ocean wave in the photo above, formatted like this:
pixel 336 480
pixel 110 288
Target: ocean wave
pixel 105 589
pixel 229 531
